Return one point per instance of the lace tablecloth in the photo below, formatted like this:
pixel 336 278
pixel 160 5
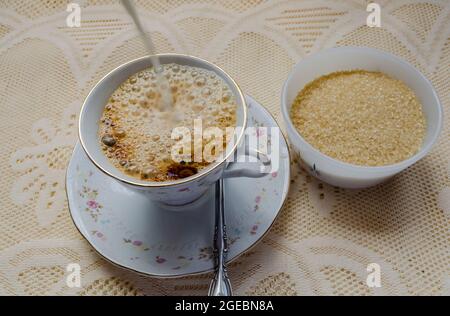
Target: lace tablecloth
pixel 324 238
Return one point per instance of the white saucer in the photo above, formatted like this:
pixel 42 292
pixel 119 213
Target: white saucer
pixel 135 233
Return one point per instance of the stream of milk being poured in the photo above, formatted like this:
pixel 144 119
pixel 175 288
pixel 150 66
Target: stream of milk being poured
pixel 163 85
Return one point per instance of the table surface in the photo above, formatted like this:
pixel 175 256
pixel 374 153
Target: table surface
pixel 324 238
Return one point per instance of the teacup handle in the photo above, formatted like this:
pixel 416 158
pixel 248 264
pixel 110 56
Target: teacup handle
pixel 231 172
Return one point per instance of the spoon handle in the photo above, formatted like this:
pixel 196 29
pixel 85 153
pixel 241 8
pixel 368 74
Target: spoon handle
pixel 220 285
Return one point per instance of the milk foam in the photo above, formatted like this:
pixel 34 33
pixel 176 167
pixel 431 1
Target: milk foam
pixel 135 129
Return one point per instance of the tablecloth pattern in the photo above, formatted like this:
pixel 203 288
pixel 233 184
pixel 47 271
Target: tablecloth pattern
pixel 324 237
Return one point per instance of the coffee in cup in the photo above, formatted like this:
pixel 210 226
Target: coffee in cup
pixel 135 130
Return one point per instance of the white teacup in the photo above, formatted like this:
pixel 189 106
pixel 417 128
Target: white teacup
pixel 337 172
pixel 177 192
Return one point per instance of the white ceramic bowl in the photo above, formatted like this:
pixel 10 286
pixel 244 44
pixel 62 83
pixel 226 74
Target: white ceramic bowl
pixel 340 173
